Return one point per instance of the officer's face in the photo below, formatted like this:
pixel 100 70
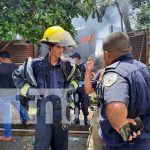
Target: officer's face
pixel 57 50
pixel 107 58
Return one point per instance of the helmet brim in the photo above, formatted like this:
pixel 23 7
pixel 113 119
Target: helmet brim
pixel 62 39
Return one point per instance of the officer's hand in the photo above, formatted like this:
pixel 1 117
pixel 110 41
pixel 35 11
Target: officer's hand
pixel 135 134
pixel 89 64
pixel 129 130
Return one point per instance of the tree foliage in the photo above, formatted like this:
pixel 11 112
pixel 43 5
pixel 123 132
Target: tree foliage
pixel 143 13
pixel 122 7
pixel 137 3
pixel 100 8
pixel 30 18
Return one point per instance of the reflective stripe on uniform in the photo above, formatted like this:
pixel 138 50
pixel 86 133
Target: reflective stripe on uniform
pixel 24 89
pixel 74 83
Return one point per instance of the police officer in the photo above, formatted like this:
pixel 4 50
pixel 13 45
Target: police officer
pixel 124 96
pixel 54 73
pixel 80 97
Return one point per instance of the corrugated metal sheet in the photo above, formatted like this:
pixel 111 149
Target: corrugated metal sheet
pixel 19 51
pixel 139 43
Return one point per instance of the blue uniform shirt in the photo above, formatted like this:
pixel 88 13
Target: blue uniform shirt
pixel 127 81
pixel 52 78
pixel 49 76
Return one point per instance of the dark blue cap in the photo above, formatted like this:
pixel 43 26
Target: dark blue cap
pixel 76 55
pixel 4 54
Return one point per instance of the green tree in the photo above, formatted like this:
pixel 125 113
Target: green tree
pixel 30 18
pixel 143 13
pixel 137 3
pixel 121 5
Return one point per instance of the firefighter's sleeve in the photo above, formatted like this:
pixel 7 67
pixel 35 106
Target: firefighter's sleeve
pixel 20 82
pixel 18 77
pixel 29 92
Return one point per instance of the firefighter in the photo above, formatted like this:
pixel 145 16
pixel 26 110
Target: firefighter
pixel 54 72
pixel 80 97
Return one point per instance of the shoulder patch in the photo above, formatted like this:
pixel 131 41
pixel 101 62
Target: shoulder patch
pixel 109 79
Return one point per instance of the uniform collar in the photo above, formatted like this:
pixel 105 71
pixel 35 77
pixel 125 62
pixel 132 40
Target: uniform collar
pixel 46 62
pixel 125 57
pixel 121 58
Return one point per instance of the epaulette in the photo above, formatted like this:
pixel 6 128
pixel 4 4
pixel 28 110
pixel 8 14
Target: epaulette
pixel 113 66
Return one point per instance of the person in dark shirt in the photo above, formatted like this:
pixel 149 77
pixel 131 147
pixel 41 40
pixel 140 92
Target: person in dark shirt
pixel 8 95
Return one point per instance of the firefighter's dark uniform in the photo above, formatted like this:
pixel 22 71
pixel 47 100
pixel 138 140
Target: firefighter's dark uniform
pixel 52 77
pixel 80 97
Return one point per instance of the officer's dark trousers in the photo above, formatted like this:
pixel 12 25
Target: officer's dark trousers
pixel 81 97
pixel 145 145
pixel 49 135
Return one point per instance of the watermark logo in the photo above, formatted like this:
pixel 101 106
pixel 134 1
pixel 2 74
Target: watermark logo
pixel 53 104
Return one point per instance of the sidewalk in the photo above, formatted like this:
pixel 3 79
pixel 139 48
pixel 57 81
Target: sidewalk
pixel 27 143
pixel 24 142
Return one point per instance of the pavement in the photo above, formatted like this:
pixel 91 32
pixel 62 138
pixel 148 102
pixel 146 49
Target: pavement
pixel 24 142
pixel 27 143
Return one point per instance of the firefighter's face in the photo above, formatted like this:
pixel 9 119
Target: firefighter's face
pixel 57 50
